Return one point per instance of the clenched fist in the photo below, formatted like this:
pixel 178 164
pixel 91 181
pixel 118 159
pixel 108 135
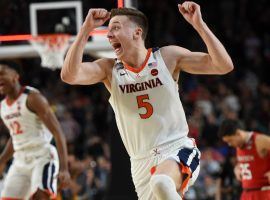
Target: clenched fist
pixel 96 18
pixel 192 13
pixel 64 178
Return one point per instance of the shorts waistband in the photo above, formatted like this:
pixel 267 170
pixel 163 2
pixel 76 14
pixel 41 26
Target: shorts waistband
pixel 164 148
pixel 34 147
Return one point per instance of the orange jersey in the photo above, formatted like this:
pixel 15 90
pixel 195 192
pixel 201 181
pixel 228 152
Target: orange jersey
pixel 252 166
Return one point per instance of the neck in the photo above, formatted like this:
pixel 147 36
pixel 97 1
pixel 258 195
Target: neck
pixel 136 56
pixel 246 136
pixel 15 92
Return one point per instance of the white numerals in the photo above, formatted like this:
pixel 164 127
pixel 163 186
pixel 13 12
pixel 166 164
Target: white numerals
pixel 245 171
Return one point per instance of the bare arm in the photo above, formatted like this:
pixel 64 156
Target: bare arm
pixel 237 172
pixel 218 190
pixel 263 147
pixel 38 104
pixel 7 153
pixel 263 143
pixel 216 61
pixel 74 71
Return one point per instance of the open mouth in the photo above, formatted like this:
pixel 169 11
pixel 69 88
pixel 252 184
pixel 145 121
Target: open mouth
pixel 117 47
pixel 2 86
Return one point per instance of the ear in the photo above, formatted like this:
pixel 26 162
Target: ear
pixel 16 77
pixel 223 139
pixel 237 132
pixel 137 33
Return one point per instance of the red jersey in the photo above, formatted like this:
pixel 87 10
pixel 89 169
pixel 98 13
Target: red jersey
pixel 253 167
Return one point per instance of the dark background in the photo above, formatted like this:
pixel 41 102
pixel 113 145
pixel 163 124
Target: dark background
pixel 98 161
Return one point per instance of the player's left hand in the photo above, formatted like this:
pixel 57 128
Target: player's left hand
pixel 64 178
pixel 267 174
pixel 192 13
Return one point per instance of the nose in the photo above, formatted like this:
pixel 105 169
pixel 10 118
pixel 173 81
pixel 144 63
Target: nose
pixel 109 35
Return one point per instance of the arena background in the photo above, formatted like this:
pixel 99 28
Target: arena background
pixel 98 161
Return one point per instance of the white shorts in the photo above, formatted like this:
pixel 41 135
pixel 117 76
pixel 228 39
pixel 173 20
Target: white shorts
pixel 32 169
pixel 183 152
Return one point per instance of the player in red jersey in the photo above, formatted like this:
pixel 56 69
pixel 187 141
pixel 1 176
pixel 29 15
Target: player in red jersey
pixel 253 159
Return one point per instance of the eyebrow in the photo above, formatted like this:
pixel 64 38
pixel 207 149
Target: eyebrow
pixel 117 22
pixel 114 23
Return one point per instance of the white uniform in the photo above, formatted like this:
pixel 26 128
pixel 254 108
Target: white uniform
pixel 151 119
pixel 35 163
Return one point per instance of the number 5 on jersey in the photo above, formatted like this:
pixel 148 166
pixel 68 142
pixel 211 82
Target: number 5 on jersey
pixel 143 103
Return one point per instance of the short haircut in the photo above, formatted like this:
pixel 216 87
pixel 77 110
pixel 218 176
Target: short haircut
pixel 135 16
pixel 12 65
pixel 228 128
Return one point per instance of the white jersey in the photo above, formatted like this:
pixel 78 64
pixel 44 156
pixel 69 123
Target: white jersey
pixel 25 127
pixel 147 106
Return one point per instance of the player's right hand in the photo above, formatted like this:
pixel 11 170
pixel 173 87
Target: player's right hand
pixel 191 11
pixel 64 178
pixel 2 168
pixel 96 17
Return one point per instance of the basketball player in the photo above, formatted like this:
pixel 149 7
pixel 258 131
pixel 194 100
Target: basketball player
pixel 253 158
pixel 31 124
pixel 144 95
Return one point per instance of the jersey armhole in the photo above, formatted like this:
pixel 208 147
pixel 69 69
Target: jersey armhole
pixel 26 101
pixel 112 82
pixel 160 58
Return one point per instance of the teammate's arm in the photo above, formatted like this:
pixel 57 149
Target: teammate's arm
pixel 6 155
pixel 39 105
pixel 263 142
pixel 74 71
pixel 216 61
pixel 237 172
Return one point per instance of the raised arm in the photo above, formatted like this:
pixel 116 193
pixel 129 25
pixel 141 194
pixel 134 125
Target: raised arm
pixel 216 61
pixel 39 105
pixel 74 71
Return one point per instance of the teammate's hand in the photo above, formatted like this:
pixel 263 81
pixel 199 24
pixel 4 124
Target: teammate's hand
pixel 64 178
pixel 267 174
pixel 192 13
pixel 96 18
pixel 237 172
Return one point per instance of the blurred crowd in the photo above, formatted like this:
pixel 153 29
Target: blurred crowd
pixel 244 94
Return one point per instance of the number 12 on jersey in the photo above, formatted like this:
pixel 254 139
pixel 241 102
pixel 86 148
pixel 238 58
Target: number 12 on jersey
pixel 143 102
pixel 16 128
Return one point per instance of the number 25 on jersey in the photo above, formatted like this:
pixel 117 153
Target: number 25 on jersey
pixel 245 171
